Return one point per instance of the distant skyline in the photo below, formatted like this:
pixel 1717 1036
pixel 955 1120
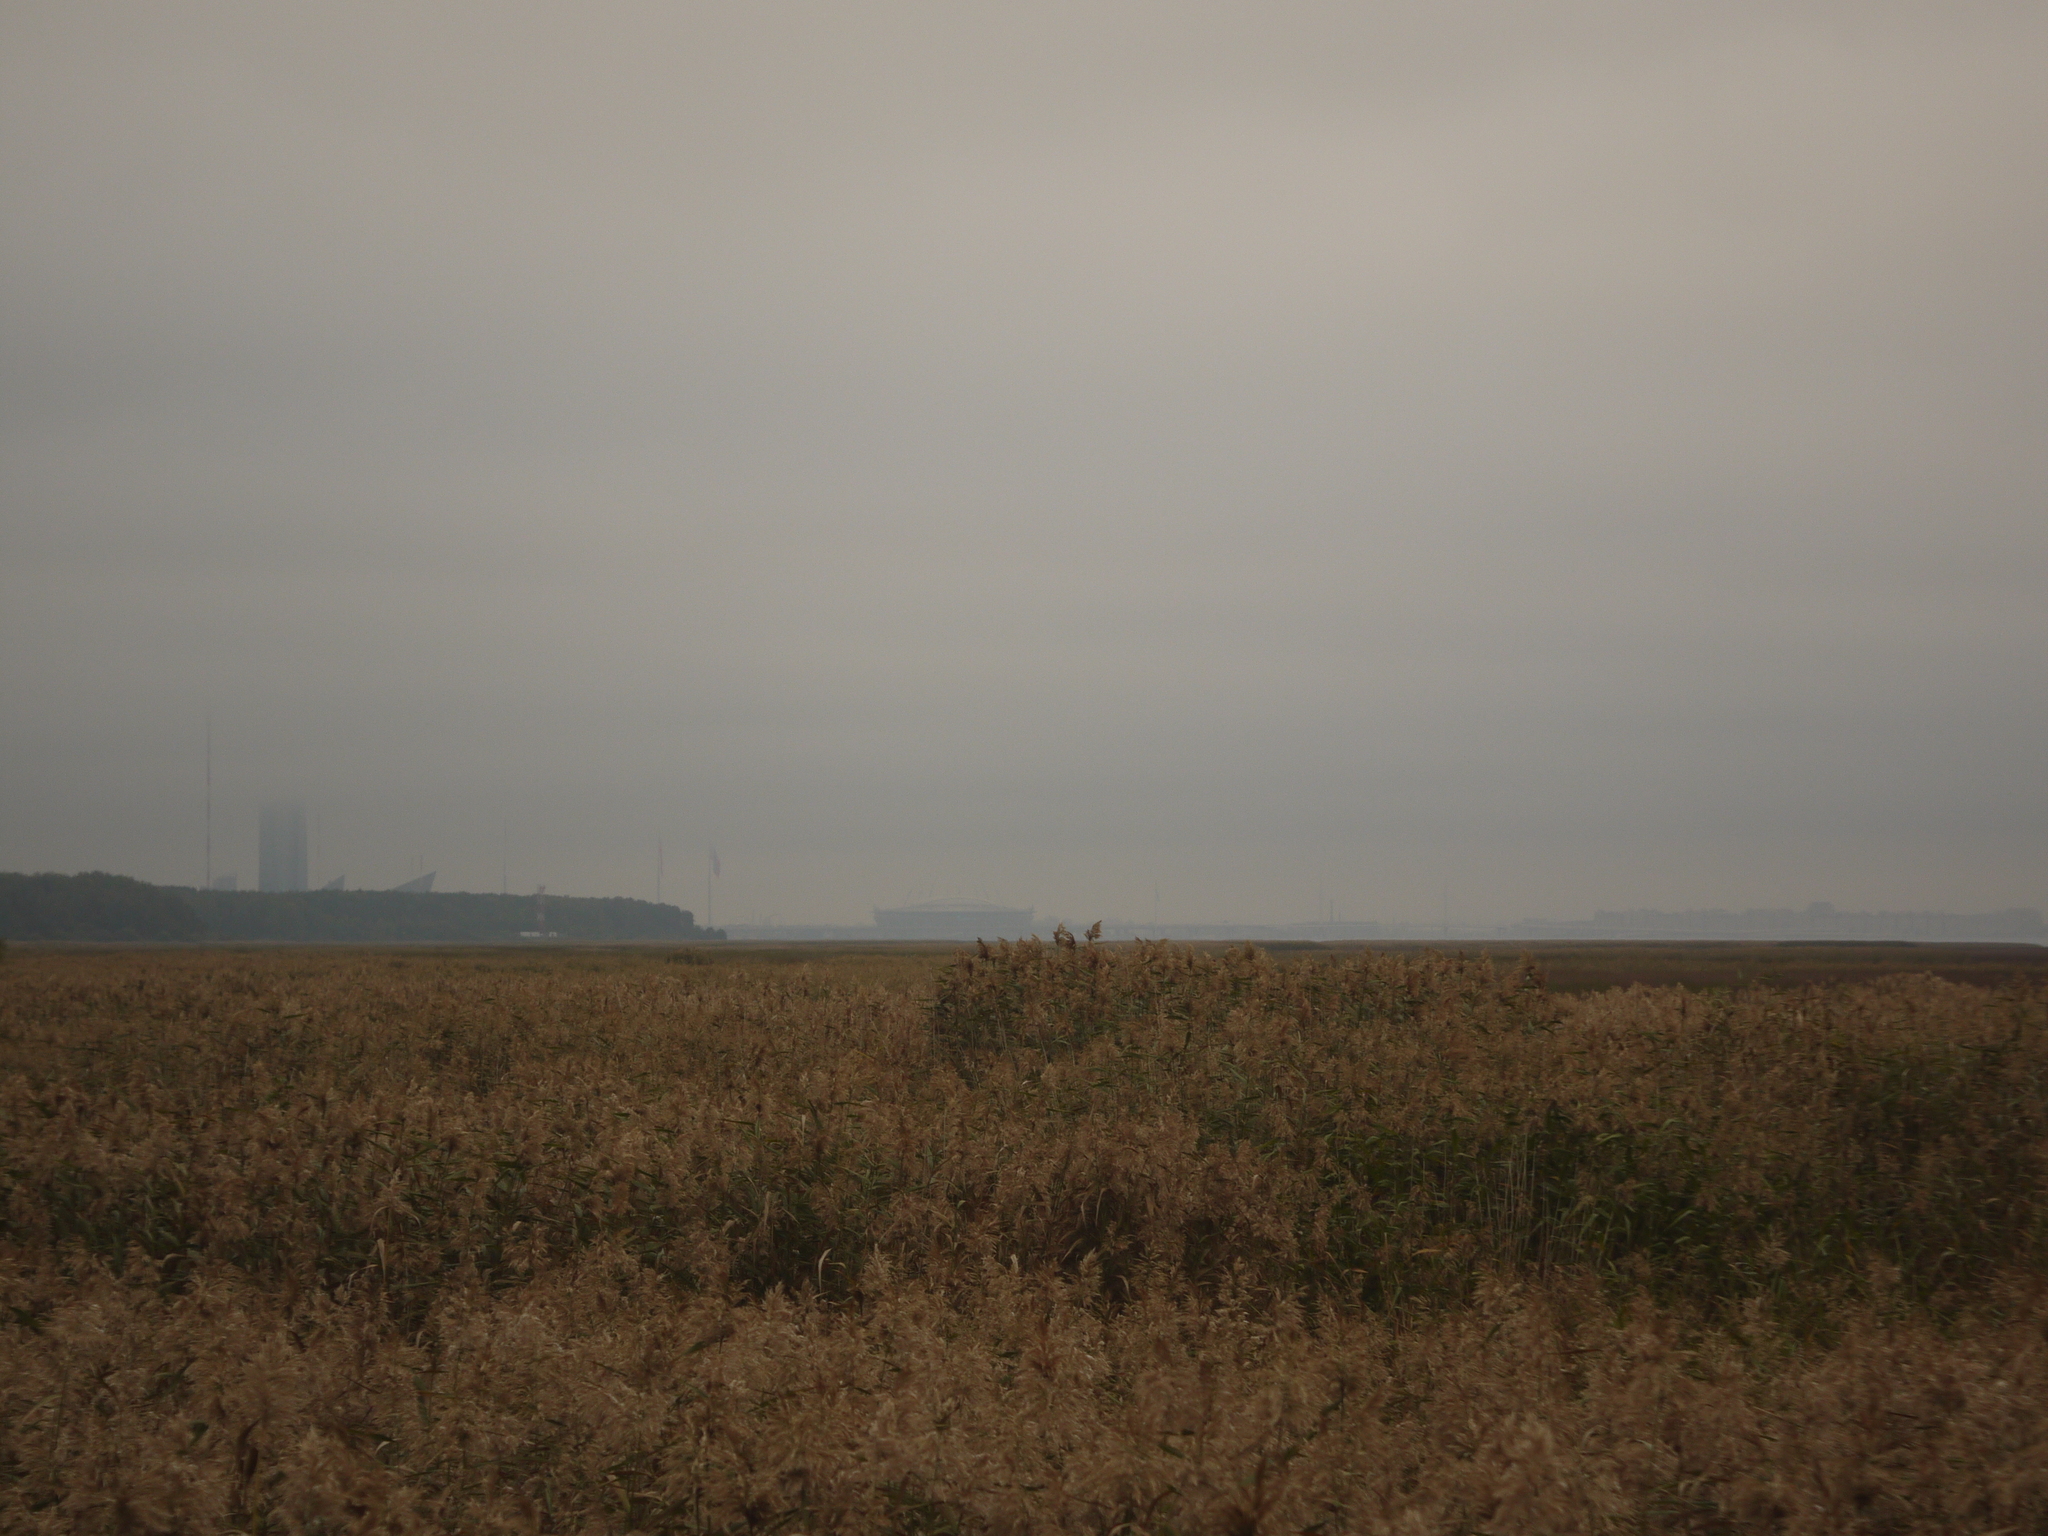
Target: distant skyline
pixel 1293 458
pixel 662 883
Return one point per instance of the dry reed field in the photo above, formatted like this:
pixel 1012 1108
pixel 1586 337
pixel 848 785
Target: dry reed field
pixel 1060 1237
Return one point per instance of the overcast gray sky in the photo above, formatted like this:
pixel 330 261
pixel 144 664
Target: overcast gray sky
pixel 1568 455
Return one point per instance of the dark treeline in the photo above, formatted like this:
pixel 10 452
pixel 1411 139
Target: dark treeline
pixel 94 906
pixel 114 908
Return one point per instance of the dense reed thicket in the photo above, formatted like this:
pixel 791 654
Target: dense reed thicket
pixel 1051 1237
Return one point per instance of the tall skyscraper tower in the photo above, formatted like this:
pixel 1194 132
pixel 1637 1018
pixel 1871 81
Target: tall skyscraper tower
pixel 281 848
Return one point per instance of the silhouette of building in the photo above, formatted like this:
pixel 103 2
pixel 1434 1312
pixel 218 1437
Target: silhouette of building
pixel 281 848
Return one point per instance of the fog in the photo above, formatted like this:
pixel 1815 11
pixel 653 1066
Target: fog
pixel 1266 461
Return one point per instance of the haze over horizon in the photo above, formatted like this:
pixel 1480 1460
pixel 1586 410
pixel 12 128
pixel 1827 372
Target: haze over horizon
pixel 1571 456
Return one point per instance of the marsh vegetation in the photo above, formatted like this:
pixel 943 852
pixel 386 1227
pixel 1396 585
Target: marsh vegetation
pixel 1050 1237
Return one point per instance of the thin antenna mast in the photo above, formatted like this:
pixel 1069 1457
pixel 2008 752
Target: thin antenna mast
pixel 209 802
pixel 657 871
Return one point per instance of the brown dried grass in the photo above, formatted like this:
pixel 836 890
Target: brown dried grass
pixel 1062 1238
